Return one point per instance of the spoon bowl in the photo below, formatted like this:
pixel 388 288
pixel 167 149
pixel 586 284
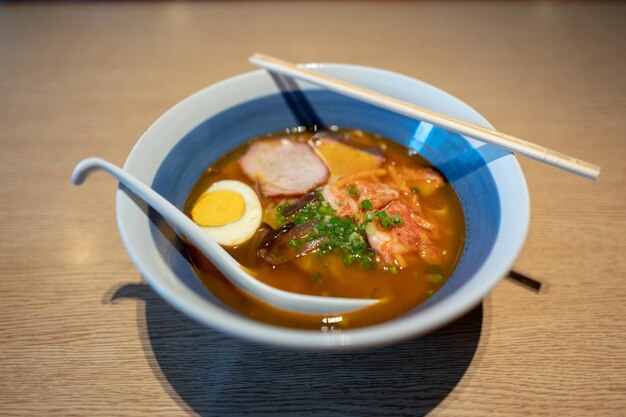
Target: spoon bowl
pixel 229 267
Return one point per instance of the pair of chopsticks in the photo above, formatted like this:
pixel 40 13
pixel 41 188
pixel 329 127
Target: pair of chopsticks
pixel 493 137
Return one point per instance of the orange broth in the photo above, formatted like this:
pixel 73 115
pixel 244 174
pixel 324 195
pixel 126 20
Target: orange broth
pixel 399 291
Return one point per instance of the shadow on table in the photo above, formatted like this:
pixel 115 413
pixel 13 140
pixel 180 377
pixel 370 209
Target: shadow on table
pixel 215 375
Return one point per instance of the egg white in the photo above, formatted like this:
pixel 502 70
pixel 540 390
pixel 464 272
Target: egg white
pixel 243 229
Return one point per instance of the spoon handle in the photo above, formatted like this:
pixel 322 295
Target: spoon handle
pixel 218 256
pixel 172 215
pixel 179 221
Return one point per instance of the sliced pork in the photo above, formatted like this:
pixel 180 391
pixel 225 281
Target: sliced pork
pixel 283 167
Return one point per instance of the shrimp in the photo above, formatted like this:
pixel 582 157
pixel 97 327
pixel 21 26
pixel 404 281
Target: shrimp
pixel 412 236
pixel 340 200
pixel 345 200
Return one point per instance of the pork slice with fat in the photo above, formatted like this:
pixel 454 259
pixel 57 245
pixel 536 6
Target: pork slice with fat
pixel 284 167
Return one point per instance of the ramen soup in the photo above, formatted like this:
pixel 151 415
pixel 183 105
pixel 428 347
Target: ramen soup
pixel 339 213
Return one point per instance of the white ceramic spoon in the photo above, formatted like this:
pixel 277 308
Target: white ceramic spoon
pixel 231 269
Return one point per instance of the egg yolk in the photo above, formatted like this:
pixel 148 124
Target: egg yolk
pixel 218 208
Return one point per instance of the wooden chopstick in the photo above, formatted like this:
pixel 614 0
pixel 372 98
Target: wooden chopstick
pixel 508 142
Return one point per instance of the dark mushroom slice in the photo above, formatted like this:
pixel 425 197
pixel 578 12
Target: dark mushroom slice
pixel 279 250
pixel 300 203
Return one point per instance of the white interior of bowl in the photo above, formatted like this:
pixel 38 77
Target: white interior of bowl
pixel 159 140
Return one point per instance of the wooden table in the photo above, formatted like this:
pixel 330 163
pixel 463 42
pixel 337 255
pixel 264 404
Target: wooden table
pixel 81 335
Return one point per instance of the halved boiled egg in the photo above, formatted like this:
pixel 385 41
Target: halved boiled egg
pixel 229 211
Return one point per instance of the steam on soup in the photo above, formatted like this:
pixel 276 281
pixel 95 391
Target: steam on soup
pixel 336 213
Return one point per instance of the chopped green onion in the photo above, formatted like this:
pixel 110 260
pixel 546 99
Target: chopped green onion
pixel 397 219
pixel 316 277
pixel 434 269
pixel 434 274
pixel 366 205
pixel 342 235
pixel 385 220
pixel 283 207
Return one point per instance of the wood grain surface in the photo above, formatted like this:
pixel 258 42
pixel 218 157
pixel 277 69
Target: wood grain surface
pixel 81 335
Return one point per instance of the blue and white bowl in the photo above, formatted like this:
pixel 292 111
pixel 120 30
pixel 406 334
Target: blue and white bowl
pixel 173 153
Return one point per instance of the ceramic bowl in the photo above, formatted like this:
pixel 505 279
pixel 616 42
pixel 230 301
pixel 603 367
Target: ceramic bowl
pixel 172 154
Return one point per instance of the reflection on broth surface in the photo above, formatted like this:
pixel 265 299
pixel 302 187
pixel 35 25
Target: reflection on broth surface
pixel 344 213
